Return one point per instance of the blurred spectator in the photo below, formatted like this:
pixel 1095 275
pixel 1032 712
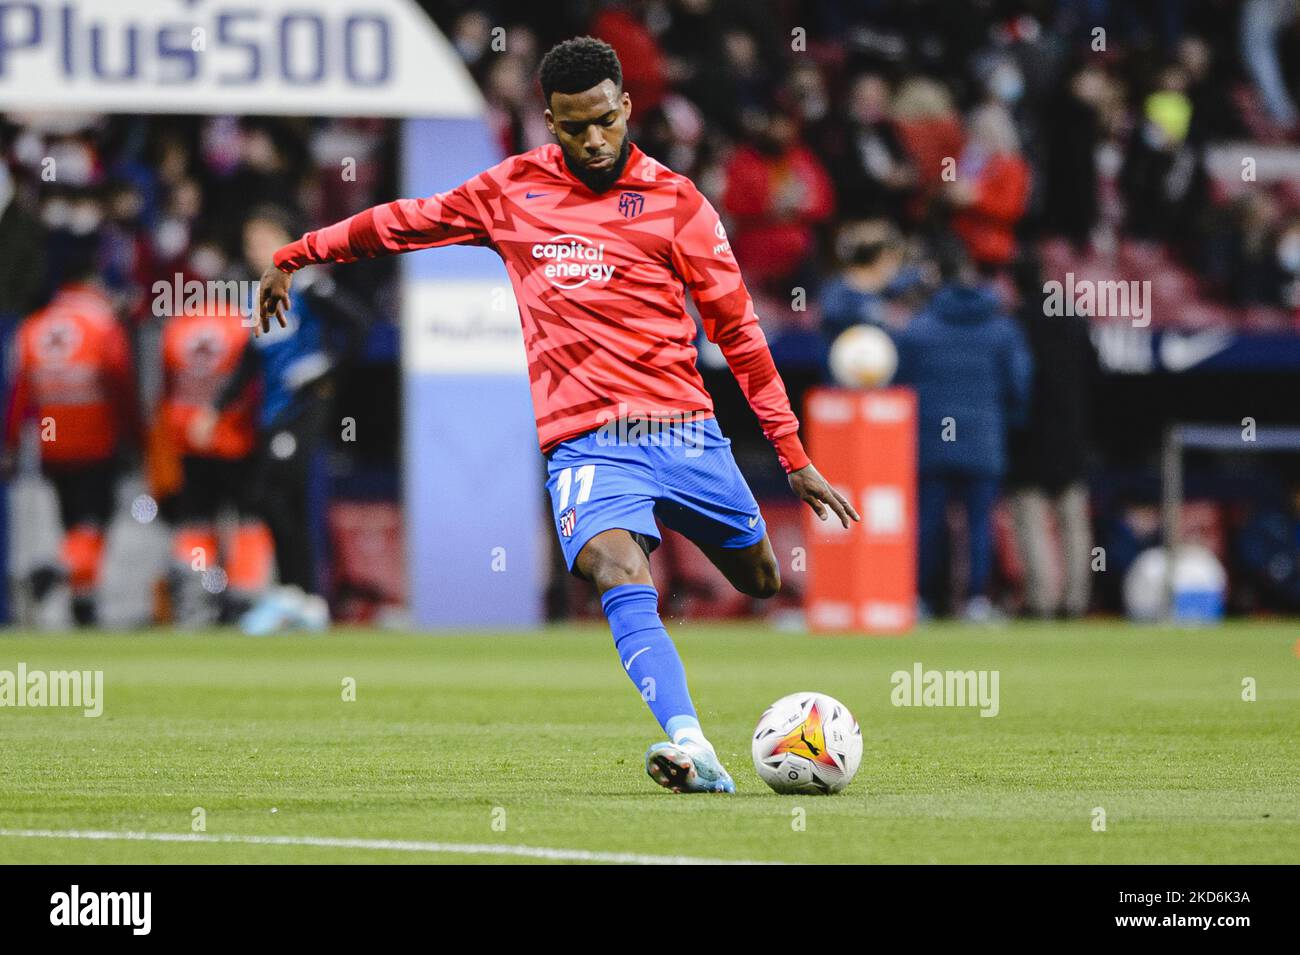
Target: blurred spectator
pixel 747 82
pixel 73 377
pixel 22 250
pixel 472 38
pixel 196 482
pixel 1242 254
pixel 126 258
pixel 1268 547
pixel 1163 176
pixel 871 254
pixel 643 62
pixel 873 173
pixel 697 56
pixel 991 190
pixel 930 129
pixel 174 230
pixel 515 104
pixel 673 134
pixel 1213 114
pixel 1049 456
pixel 1288 259
pixel 295 365
pixel 1074 127
pixel 972 373
pixel 776 192
pixel 1262 22
pixel 272 162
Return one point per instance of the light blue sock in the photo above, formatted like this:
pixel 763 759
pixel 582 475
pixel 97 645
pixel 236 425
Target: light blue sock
pixel 649 657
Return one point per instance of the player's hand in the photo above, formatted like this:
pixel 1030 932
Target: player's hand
pixel 817 493
pixel 201 428
pixel 273 299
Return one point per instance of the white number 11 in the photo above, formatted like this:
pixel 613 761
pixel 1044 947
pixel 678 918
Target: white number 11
pixel 586 475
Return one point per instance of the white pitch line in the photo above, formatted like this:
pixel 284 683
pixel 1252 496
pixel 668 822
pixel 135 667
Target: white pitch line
pixel 393 845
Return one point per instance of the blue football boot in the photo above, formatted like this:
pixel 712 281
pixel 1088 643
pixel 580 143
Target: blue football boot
pixel 690 767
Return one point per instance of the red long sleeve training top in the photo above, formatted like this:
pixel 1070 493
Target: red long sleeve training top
pixel 600 280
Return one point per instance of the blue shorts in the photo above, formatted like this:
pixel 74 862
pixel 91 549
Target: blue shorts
pixel 683 474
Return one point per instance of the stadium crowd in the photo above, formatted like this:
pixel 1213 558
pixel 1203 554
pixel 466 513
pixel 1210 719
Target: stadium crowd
pixel 111 222
pixel 846 142
pixel 879 161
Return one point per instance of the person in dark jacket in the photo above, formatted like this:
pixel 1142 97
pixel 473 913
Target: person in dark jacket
pixel 871 255
pixel 1268 552
pixel 1049 456
pixel 295 367
pixel 1073 128
pixel 972 371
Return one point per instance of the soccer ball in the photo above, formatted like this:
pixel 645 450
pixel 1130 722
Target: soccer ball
pixel 807 743
pixel 863 356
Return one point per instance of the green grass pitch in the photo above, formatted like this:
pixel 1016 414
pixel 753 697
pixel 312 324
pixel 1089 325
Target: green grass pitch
pixel 480 743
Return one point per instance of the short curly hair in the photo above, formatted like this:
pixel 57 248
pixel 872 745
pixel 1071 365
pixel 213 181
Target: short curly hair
pixel 578 64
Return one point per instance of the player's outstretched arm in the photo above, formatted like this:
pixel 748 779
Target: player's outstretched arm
pixel 404 225
pixel 813 489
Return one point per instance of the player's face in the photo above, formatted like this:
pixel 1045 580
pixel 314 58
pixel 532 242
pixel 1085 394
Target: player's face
pixel 591 128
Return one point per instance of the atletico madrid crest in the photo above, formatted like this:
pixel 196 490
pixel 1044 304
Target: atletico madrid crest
pixel 567 522
pixel 631 204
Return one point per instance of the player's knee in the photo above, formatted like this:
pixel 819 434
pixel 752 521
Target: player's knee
pixel 613 561
pixel 766 580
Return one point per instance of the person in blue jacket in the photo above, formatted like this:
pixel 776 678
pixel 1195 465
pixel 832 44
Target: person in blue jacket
pixel 972 372
pixel 295 367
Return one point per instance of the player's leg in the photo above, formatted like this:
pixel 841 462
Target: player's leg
pixel 191 511
pixel 618 566
pixel 284 494
pixel 48 578
pixel 752 570
pixel 86 500
pixel 251 550
pixel 1076 547
pixel 706 499
pixel 980 494
pixel 604 513
pixel 932 513
pixel 1029 507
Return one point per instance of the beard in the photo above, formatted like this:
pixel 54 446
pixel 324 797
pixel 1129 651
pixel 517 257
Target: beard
pixel 599 180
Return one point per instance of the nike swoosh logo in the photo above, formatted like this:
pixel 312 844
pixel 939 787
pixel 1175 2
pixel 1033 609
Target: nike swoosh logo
pixel 627 664
pixel 535 195
pixel 753 520
pixel 1181 352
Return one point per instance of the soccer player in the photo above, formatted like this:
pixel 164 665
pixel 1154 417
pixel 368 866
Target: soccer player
pixel 601 243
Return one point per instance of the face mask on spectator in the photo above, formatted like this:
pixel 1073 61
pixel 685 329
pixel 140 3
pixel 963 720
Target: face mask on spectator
pixel 1007 84
pixel 1288 252
pixel 863 253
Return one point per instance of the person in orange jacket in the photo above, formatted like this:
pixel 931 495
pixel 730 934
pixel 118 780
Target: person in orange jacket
pixel 777 191
pixel 73 376
pixel 201 351
pixel 991 190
